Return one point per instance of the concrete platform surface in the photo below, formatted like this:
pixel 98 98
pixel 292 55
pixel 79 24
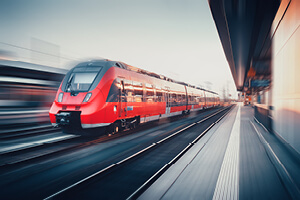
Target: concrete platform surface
pixel 236 159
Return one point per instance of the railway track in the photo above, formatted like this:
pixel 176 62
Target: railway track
pixel 48 168
pixel 26 131
pixel 147 164
pixel 24 147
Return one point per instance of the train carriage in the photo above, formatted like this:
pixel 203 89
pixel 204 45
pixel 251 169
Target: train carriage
pixel 114 95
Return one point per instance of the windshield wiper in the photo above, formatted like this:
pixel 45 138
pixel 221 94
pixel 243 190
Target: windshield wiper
pixel 70 87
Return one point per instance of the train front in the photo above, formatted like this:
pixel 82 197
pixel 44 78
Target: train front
pixel 80 102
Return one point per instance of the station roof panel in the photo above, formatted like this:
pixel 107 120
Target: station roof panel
pixel 244 30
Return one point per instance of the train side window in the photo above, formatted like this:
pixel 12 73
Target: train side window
pixel 203 99
pixel 113 95
pixel 179 100
pixel 123 66
pixel 190 99
pixel 159 95
pixel 128 90
pixel 173 99
pixel 138 91
pixel 149 93
pixel 118 65
pixel 154 94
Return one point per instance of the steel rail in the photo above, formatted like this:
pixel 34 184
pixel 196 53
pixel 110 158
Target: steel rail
pixel 152 146
pixel 153 178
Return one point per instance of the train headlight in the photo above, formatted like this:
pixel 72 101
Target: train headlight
pixel 87 97
pixel 115 108
pixel 60 97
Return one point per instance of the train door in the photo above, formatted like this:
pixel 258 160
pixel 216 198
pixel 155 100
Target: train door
pixel 168 99
pixel 123 100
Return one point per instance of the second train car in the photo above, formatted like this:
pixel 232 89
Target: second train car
pixel 115 96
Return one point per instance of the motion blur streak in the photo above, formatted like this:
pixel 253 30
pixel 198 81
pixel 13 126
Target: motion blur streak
pixel 26 92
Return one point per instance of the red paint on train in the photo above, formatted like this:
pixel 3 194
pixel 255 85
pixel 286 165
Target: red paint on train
pixel 115 95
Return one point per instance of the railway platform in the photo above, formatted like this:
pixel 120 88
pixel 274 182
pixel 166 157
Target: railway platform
pixel 237 159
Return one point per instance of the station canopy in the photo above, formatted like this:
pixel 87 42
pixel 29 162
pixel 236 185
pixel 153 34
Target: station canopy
pixel 244 28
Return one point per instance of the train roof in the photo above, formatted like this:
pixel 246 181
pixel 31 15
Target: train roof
pixel 110 63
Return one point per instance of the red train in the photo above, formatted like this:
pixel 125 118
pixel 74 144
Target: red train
pixel 114 95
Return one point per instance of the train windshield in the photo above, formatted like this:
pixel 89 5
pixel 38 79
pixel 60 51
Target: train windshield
pixel 80 82
pixel 82 78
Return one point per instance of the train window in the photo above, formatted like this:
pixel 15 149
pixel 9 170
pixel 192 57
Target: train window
pixel 183 99
pixel 173 99
pixel 123 65
pixel 179 100
pixel 113 95
pixel 80 82
pixel 149 95
pixel 118 65
pixel 198 99
pixel 138 91
pixel 84 77
pixel 159 95
pixel 194 99
pixel 128 90
pixel 202 99
pixel 189 99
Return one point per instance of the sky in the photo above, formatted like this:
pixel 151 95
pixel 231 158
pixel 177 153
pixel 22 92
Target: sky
pixel 174 38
